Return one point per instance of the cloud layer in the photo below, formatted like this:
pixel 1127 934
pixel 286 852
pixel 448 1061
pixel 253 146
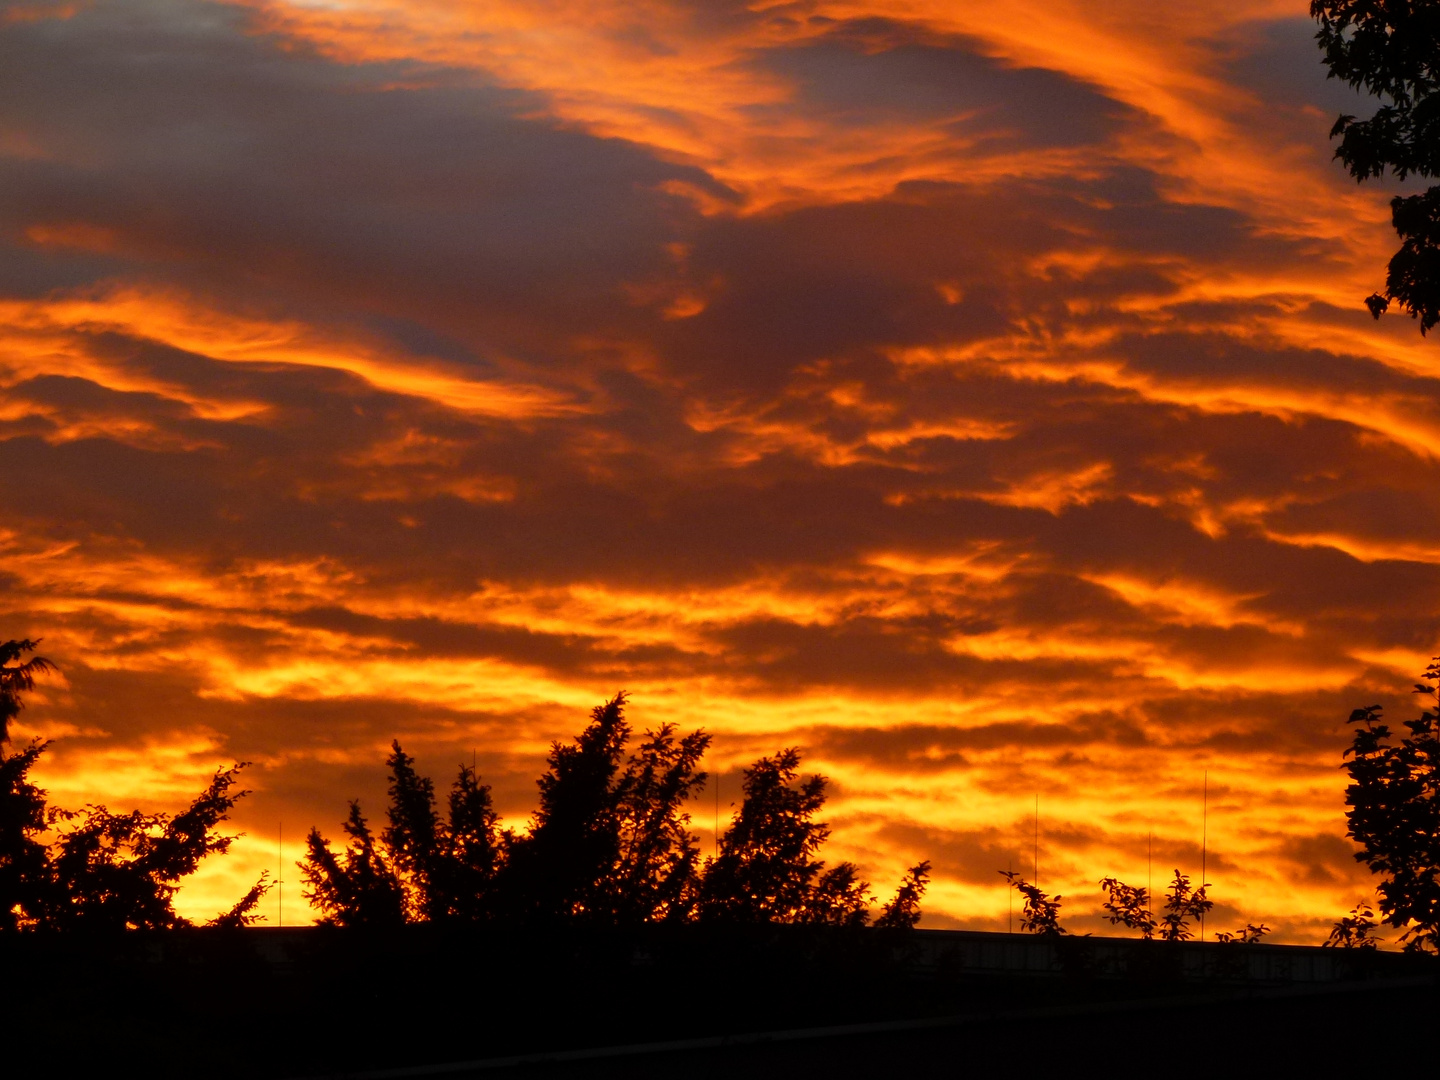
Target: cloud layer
pixel 984 406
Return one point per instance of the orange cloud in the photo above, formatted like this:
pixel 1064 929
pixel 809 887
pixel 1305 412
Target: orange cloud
pixel 982 404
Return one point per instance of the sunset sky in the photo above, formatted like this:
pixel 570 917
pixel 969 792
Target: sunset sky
pixel 978 397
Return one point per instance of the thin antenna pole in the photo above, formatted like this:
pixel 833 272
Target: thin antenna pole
pixel 1010 901
pixel 280 874
pixel 717 813
pixel 1149 873
pixel 1037 841
pixel 1204 840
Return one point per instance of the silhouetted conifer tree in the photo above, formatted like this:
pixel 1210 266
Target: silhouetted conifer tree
pixel 559 867
pixel 766 870
pixel 608 843
pixel 359 887
pixel 472 848
pixel 414 837
pixel 654 874
pixel 446 868
pixel 1394 815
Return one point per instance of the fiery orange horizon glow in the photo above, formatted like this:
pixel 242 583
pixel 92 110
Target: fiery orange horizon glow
pixel 979 400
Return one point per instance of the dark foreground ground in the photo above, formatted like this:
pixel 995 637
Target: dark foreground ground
pixel 769 1002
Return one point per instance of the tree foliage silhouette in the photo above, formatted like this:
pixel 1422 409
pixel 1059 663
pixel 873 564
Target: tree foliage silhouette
pixel 1394 815
pixel 102 870
pixel 1041 912
pixel 1391 49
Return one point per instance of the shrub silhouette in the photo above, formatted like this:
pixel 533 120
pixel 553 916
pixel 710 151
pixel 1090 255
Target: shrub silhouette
pixel 1394 815
pixel 102 870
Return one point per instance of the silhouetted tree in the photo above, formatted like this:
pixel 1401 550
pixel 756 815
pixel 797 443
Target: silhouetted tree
pixel 903 910
pixel 1354 931
pixel 1394 815
pixel 1041 913
pixel 610 841
pixel 1391 49
pixel 122 870
pixel 560 866
pixel 1182 907
pixel 414 836
pixel 766 870
pixel 102 870
pixel 359 887
pixel 1128 905
pixel 473 844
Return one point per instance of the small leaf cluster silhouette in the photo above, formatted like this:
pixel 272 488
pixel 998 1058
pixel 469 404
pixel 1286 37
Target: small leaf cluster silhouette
pixel 609 844
pixel 93 869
